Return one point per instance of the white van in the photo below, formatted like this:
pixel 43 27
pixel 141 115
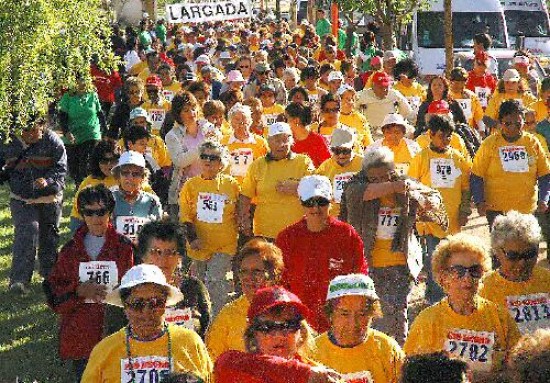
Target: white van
pixel 529 17
pixel 469 18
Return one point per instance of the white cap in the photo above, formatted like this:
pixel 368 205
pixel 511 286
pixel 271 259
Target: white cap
pixel 225 55
pixel 511 75
pixel 344 88
pixel 304 22
pixel 342 137
pixel 131 158
pixel 351 284
pixel 203 59
pixel 139 275
pixel 314 186
pixel 279 128
pixel 389 55
pixel 521 60
pixel 139 112
pixel 335 75
pixel 394 119
pixel 235 76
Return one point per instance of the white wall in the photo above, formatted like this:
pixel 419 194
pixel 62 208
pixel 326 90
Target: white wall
pixel 128 11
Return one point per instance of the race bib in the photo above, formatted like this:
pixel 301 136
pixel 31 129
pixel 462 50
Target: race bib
pixel 483 95
pixel 271 118
pixel 242 158
pixel 338 185
pixel 388 220
pixel 414 102
pixel 313 97
pixel 530 312
pixel 147 369
pixel 130 226
pixel 168 95
pixel 443 172
pixel 466 105
pixel 358 377
pixel 99 272
pixel 514 159
pixel 181 317
pixel 210 207
pixel 402 168
pixel 157 117
pixel 474 347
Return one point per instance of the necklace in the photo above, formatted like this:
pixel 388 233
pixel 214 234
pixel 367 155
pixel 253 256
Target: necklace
pixel 129 351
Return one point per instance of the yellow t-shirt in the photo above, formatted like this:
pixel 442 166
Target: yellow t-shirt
pixel 541 110
pixel 107 363
pixel 271 113
pixel 359 123
pixel 498 98
pixel 338 176
pixel 325 130
pixel 274 210
pixel 226 332
pixel 89 182
pixel 514 188
pixel 403 154
pixel 415 93
pixel 336 64
pixel 378 357
pixel 457 143
pixel 211 206
pixel 527 302
pixel 388 221
pixel 157 113
pixel 313 95
pixel 243 153
pixel 483 339
pixel 449 173
pixel 471 106
pixel 138 68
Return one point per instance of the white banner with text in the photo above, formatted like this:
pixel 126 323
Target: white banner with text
pixel 214 11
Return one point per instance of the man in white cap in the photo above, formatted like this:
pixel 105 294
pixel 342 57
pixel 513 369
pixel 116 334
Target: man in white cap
pixel 335 81
pixel 318 248
pixel 522 65
pixel 351 347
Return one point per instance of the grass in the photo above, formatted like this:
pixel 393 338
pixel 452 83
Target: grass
pixel 28 335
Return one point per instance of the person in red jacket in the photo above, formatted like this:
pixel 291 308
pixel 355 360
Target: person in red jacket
pixel 107 86
pixel 480 80
pixel 88 267
pixel 318 248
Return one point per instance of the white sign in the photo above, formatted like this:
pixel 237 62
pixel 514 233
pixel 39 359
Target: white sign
pixel 358 377
pixel 130 226
pixel 466 105
pixel 521 5
pixel 242 158
pixel 483 94
pixel 202 12
pixel 181 317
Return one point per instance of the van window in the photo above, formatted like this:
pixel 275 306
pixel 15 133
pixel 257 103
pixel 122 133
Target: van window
pixel 532 24
pixel 430 29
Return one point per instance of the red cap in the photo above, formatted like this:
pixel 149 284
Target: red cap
pixel 482 57
pixel 276 296
pixel 376 60
pixel 381 78
pixel 154 80
pixel 439 107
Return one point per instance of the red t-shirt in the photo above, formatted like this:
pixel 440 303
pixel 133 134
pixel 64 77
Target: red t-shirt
pixel 314 146
pixel 105 84
pixel 485 81
pixel 312 260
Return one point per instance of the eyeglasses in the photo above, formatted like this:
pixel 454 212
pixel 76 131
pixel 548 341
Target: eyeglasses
pixel 151 304
pixel 255 274
pixel 133 174
pixel 527 255
pixel 515 124
pixel 331 110
pixel 321 202
pixel 341 151
pixel 272 326
pixel 97 212
pixel 244 66
pixel 108 160
pixel 210 157
pixel 163 252
pixel 475 271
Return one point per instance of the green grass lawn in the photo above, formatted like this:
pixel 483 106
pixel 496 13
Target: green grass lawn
pixel 28 335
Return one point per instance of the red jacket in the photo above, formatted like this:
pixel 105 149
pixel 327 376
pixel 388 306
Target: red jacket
pixel 312 260
pixel 485 81
pixel 314 146
pixel 243 367
pixel 81 324
pixel 106 84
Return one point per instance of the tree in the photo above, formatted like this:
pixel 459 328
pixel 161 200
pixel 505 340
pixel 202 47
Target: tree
pixel 44 44
pixel 448 32
pixel 388 14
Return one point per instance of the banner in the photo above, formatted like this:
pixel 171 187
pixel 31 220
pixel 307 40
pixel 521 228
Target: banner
pixel 215 11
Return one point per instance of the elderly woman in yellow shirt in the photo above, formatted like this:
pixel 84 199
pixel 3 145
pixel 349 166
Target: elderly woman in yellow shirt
pixel 350 117
pixel 463 324
pixel 351 347
pixel 468 101
pixel 208 205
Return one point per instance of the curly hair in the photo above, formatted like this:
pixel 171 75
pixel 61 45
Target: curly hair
pixel 515 226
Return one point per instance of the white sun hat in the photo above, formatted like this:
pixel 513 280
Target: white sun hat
pixel 351 284
pixel 342 137
pixel 335 75
pixel 279 128
pixel 314 186
pixel 130 157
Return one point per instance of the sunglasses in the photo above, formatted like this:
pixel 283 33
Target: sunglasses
pixel 129 173
pixel 271 326
pixel 97 212
pixel 475 271
pixel 321 202
pixel 141 304
pixel 210 157
pixel 244 66
pixel 331 110
pixel 527 255
pixel 108 160
pixel 164 252
pixel 339 151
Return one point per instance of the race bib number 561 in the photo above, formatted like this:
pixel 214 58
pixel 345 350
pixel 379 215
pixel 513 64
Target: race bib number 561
pixel 474 347
pixel 210 207
pixel 147 369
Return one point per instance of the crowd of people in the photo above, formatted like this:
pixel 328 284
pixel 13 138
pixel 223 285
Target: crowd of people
pixel 255 203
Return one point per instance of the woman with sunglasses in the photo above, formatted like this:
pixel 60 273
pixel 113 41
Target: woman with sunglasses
pixel 88 266
pixel 134 207
pixel 330 114
pixel 519 285
pixel 102 160
pixel 463 324
pixel 277 339
pixel 258 264
pixel 208 205
pixel 147 349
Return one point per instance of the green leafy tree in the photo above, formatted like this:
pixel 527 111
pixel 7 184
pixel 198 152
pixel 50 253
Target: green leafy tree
pixel 44 45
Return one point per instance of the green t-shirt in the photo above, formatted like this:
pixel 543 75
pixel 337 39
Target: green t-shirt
pixel 83 113
pixel 161 32
pixel 343 38
pixel 145 39
pixel 323 27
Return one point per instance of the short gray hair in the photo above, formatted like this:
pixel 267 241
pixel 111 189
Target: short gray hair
pixel 378 156
pixel 515 226
pixel 292 72
pixel 217 147
pixel 240 108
